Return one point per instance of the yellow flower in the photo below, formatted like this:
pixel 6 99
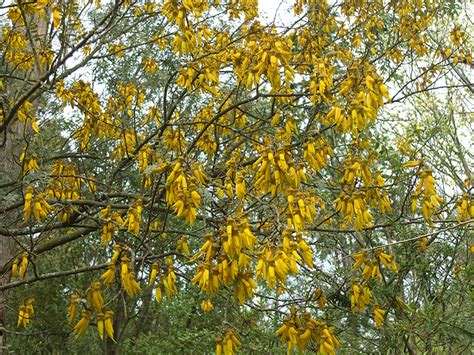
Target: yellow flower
pixel 100 325
pixel 206 306
pixel 154 272
pixel 158 294
pixel 109 329
pixel 109 275
pixel 26 313
pixel 23 266
pixel 28 199
pixel 73 306
pixel 359 260
pixel 81 326
pixel 94 296
pixel 15 268
pixel 378 316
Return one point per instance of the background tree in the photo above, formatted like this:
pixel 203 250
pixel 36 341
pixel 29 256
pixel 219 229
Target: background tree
pixel 183 176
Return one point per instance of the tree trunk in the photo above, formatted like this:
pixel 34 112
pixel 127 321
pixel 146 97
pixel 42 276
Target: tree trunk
pixel 12 143
pixel 10 170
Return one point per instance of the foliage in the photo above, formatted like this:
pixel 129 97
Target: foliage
pixel 182 176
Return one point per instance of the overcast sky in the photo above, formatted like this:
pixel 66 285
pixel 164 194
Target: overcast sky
pixel 268 9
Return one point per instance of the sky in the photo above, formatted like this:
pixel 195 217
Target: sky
pixel 268 9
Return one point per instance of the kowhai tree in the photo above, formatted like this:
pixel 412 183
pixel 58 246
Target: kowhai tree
pixel 302 177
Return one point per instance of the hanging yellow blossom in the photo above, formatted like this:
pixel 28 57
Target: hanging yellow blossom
pixel 94 296
pixel 109 329
pixel 81 326
pixel 227 345
pixel 100 325
pixel 153 273
pixel 23 266
pixel 378 315
pixel 75 297
pixel 206 306
pixel 109 275
pixel 26 313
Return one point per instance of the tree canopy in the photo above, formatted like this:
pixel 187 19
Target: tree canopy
pixel 188 176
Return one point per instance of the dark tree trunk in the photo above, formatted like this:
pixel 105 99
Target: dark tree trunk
pixel 14 139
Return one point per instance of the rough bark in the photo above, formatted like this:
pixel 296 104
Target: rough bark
pixel 10 169
pixel 15 138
